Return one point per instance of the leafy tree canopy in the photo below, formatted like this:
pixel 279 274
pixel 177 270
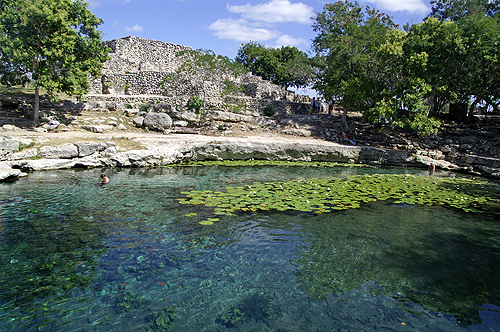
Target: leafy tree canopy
pixel 347 52
pixel 286 66
pixel 456 9
pixel 54 43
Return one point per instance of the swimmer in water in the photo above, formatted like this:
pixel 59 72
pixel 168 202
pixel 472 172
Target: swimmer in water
pixel 104 178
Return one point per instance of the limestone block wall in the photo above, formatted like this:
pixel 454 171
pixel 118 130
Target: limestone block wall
pixel 133 54
pixel 138 66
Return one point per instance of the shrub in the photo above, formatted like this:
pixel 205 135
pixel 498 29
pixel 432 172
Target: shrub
pixel 144 107
pixel 269 110
pixel 195 103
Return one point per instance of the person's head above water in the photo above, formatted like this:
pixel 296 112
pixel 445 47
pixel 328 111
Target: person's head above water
pixel 104 178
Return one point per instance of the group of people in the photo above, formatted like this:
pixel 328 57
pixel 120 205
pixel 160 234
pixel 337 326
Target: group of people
pixel 320 105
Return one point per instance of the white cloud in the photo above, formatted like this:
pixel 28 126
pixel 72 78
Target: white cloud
pixel 287 40
pixel 97 3
pixel 135 28
pixel 275 11
pixel 241 30
pixel 93 4
pixel 410 6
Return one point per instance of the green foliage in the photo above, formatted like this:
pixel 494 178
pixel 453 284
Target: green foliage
pixel 454 61
pixel 350 67
pixel 269 110
pixel 231 317
pixel 195 103
pixel 55 43
pixel 127 301
pixel 332 194
pixel 232 88
pixel 241 107
pixel 26 146
pixel 144 107
pixel 371 66
pixel 286 66
pixel 422 124
pixel 163 320
pixel 255 307
pixel 456 9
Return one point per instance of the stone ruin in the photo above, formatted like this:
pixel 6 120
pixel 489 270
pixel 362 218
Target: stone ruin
pixel 138 66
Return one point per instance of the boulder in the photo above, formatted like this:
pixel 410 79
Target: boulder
pixel 97 128
pixel 162 108
pixel 139 121
pixel 24 154
pixel 297 132
pixel 157 121
pixel 65 151
pixel 186 116
pixel 9 102
pixel 88 162
pixel 8 145
pixel 8 127
pixel 43 164
pixel 131 112
pixel 228 117
pixel 180 123
pixel 89 148
pixel 7 174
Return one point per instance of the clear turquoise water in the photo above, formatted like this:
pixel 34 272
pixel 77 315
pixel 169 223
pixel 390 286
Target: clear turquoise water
pixel 78 256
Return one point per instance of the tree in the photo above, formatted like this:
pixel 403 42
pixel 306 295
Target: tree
pixel 436 52
pixel 456 9
pixel 286 66
pixel 347 53
pixel 481 81
pixel 200 67
pixel 54 43
pixel 458 60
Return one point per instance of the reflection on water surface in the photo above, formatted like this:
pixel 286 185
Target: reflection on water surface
pixel 78 256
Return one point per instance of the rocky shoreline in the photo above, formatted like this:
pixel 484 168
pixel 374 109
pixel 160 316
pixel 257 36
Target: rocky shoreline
pixel 117 138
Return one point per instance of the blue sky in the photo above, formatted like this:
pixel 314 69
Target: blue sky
pixel 223 25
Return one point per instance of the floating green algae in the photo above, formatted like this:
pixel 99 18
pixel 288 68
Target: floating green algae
pixel 330 194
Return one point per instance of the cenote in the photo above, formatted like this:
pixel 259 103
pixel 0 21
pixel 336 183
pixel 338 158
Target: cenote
pixel 249 248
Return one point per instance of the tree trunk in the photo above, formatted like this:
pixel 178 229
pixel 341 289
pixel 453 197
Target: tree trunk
pixel 344 117
pixel 432 105
pixel 37 105
pixel 470 113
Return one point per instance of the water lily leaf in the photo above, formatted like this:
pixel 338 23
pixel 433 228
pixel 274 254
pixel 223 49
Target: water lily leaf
pixel 206 222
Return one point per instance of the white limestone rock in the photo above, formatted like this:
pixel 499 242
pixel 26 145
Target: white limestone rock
pixel 8 174
pixel 89 148
pixel 139 121
pixel 157 121
pixel 24 154
pixel 65 151
pixel 8 145
pixel 97 128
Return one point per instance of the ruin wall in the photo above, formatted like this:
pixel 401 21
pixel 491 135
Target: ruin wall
pixel 138 66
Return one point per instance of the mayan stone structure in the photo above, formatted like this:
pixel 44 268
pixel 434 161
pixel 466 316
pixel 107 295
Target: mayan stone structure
pixel 138 66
